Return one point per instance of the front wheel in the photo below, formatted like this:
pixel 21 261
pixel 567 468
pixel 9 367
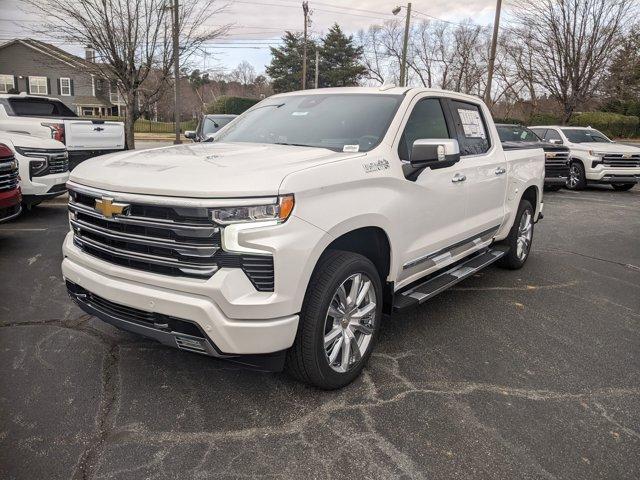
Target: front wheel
pixel 339 321
pixel 577 178
pixel 623 187
pixel 519 239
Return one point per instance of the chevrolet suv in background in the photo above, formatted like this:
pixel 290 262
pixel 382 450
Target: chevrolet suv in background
pixel 10 196
pixel 286 238
pixel 43 166
pixel 556 165
pixel 46 117
pixel 208 126
pixel 594 158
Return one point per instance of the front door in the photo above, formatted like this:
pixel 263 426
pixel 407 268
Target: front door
pixel 433 217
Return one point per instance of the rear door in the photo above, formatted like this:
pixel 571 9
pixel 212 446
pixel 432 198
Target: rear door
pixel 484 165
pixel 93 135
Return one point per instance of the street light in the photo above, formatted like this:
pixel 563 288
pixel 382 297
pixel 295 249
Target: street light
pixel 403 63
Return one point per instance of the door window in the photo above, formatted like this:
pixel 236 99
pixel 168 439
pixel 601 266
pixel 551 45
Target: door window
pixel 552 135
pixel 426 121
pixel 472 129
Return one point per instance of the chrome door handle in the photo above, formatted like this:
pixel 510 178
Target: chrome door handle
pixel 458 178
pixel 500 171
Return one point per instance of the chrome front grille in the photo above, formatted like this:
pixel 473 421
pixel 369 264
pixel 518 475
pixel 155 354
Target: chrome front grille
pixel 621 160
pixel 158 238
pixel 8 174
pixel 57 159
pixel 162 239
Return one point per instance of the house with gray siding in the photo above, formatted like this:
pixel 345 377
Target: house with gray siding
pixel 39 68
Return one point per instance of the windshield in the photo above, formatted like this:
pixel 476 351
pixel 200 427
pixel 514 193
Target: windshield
pixel 39 107
pixel 213 124
pixel 516 133
pixel 340 122
pixel 590 135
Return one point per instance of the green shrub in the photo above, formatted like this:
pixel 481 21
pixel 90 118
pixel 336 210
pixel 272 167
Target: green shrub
pixel 543 119
pixel 611 124
pixel 508 121
pixel 231 105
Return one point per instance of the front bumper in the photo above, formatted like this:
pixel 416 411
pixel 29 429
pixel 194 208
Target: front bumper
pixel 10 206
pixel 604 174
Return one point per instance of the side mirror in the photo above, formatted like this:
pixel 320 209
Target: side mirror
pixel 191 134
pixel 555 141
pixel 438 153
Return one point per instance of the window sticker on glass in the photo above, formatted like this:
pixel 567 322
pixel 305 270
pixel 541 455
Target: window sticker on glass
pixel 471 123
pixel 351 148
pixel 299 114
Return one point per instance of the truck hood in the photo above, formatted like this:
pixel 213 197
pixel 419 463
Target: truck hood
pixel 607 147
pixel 29 141
pixel 205 170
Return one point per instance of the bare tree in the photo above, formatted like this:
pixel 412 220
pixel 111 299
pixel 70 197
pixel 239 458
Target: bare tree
pixel 244 73
pixel 132 41
pixel 571 43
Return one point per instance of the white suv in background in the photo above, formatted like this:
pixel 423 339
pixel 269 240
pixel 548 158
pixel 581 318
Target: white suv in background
pixel 594 157
pixel 43 165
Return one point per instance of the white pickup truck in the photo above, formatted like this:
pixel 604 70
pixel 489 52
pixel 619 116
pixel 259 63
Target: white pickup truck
pixel 594 157
pixel 50 118
pixel 284 241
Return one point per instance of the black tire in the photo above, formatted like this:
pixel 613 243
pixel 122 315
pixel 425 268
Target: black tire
pixel 622 187
pixel 552 188
pixel 577 178
pixel 511 260
pixel 306 359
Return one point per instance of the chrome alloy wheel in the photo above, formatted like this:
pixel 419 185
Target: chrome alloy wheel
pixel 574 176
pixel 348 326
pixel 525 233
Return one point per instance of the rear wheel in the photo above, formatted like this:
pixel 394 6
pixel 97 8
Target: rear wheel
pixel 577 179
pixel 339 321
pixel 520 238
pixel 623 187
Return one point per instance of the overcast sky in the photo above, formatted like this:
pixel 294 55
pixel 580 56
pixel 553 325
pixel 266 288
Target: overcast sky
pixel 259 23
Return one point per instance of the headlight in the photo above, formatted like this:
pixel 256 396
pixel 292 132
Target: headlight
pixel 596 154
pixel 279 212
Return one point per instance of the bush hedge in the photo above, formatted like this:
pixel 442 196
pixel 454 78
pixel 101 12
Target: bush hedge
pixel 231 105
pixel 611 124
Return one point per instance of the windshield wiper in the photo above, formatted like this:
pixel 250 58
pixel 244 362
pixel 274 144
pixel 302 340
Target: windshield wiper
pixel 296 145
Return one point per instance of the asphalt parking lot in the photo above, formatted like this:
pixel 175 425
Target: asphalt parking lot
pixel 526 374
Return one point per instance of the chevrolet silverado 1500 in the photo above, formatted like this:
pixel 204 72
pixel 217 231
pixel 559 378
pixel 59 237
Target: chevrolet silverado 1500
pixel 594 157
pixel 50 118
pixel 286 239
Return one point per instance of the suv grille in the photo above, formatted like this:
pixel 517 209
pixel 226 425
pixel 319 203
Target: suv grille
pixel 57 159
pixel 619 160
pixel 8 174
pixel 176 241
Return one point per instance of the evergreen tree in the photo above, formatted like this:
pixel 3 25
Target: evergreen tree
pixel 286 63
pixel 622 85
pixel 340 60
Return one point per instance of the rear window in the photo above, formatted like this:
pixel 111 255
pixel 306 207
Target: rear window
pixel 516 133
pixel 39 107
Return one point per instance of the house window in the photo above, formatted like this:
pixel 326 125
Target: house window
pixel 6 83
pixel 38 85
pixel 65 87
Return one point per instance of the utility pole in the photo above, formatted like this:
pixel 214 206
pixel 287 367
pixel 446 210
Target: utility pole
pixel 176 72
pixel 305 10
pixel 317 66
pixel 407 26
pixel 492 54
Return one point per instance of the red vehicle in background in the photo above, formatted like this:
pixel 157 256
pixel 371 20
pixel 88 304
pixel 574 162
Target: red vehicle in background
pixel 10 195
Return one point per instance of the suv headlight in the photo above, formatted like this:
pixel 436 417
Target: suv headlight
pixel 279 212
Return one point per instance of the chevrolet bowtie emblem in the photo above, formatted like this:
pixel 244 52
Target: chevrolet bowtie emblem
pixel 108 208
pixel 626 155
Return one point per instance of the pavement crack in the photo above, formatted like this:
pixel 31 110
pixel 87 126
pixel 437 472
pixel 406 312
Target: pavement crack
pixel 105 421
